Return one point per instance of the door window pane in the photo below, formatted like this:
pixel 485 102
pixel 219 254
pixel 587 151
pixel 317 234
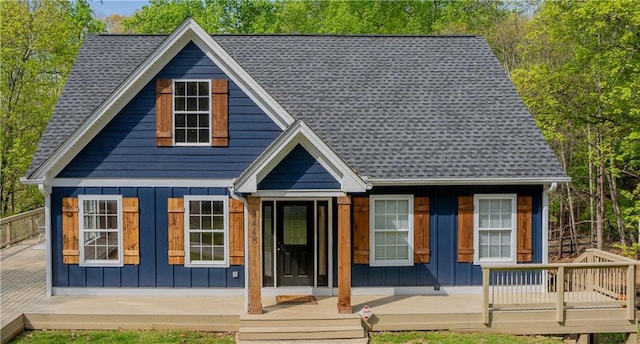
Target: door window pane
pixel 295 225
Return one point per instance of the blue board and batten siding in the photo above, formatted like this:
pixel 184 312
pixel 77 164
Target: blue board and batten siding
pixel 299 170
pixel 126 147
pixel 443 268
pixel 154 269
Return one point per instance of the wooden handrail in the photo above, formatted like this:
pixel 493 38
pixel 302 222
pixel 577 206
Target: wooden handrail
pixel 557 265
pixel 585 283
pixel 20 216
pixel 19 227
pixel 611 256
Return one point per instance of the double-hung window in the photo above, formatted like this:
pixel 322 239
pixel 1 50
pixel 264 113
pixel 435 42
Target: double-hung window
pixel 391 226
pixel 100 230
pixel 192 112
pixel 206 231
pixel 495 228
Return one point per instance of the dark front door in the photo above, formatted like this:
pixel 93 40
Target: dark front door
pixel 294 243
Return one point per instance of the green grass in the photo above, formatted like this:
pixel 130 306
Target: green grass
pixel 456 338
pixel 109 337
pixel 189 337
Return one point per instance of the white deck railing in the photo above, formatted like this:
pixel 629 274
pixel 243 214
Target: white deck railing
pixel 596 279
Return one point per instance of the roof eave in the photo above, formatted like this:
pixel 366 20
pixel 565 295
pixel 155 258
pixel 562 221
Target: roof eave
pixel 467 181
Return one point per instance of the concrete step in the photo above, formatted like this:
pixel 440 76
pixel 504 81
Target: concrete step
pixel 300 333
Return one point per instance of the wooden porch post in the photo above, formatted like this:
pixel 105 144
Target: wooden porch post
pixel 344 255
pixel 254 260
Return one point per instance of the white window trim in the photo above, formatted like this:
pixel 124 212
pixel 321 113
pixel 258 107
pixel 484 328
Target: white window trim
pixel 372 246
pixel 476 229
pixel 173 114
pixel 187 255
pixel 81 199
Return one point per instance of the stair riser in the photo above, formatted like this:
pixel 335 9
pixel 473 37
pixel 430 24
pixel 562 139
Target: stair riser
pixel 299 323
pixel 352 334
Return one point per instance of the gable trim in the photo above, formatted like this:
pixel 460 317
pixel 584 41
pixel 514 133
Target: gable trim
pixel 299 134
pixel 188 31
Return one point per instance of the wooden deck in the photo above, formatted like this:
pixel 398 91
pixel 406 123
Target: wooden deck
pixel 23 292
pixel 22 283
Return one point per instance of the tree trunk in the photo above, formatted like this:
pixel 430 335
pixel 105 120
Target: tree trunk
pixel 600 194
pixel 591 185
pixel 572 219
pixel 613 186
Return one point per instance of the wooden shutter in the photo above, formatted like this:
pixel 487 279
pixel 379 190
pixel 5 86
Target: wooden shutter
pixel 524 220
pixel 236 232
pixel 130 230
pixel 220 113
pixel 164 113
pixel 176 231
pixel 421 252
pixel 465 229
pixel 70 230
pixel 361 230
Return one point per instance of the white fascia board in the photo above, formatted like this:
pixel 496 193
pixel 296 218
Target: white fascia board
pixel 188 31
pixel 305 194
pixel 466 181
pixel 299 133
pixel 141 182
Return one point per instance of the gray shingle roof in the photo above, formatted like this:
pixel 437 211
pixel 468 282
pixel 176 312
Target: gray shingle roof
pixel 391 106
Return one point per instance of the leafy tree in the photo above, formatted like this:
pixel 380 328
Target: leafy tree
pixel 36 54
pixel 581 78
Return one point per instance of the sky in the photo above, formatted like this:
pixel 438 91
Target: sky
pixel 104 8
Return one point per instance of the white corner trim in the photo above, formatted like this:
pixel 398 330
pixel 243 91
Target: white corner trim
pixel 141 182
pixel 299 133
pixel 74 291
pixel 545 224
pixel 465 181
pixel 188 31
pixel 46 192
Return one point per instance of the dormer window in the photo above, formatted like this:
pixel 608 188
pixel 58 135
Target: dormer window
pixel 191 124
pixel 192 113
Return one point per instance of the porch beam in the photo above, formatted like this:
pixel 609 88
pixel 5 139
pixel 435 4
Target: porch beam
pixel 254 260
pixel 344 255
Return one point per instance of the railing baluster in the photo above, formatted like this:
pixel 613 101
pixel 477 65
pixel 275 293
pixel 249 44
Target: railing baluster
pixel 560 295
pixel 485 294
pixel 631 292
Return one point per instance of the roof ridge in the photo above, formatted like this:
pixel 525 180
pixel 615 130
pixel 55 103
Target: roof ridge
pixel 298 35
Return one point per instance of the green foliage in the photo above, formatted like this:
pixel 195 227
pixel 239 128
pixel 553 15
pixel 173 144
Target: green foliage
pixel 580 76
pixel 108 337
pixel 36 56
pixel 629 251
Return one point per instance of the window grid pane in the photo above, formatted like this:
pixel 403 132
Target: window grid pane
pixel 191 112
pixel 495 228
pixel 391 229
pixel 206 231
pixel 100 230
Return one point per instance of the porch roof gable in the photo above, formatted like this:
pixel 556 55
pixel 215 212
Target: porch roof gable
pixel 299 134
